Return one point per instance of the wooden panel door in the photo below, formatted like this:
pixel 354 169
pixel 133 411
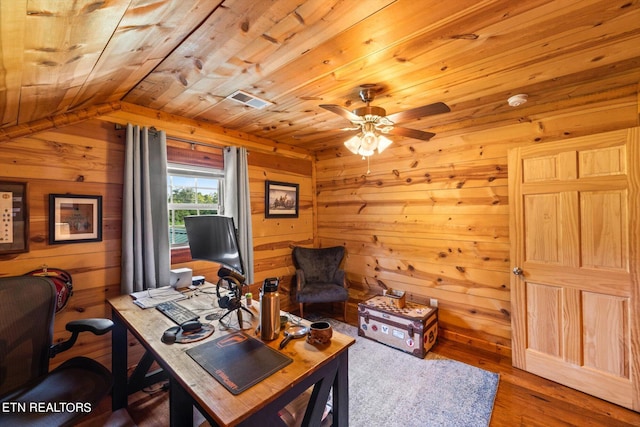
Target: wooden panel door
pixel 575 252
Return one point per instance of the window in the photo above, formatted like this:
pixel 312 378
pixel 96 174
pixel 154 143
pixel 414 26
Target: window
pixel 191 190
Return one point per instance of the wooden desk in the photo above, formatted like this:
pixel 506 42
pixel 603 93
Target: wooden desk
pixel 190 384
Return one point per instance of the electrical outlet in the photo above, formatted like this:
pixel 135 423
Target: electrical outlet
pixel 433 302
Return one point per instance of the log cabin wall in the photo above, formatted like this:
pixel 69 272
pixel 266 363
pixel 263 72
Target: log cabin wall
pixel 432 218
pixel 84 158
pixel 274 238
pixel 88 158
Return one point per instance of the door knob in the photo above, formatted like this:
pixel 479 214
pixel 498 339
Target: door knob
pixel 517 271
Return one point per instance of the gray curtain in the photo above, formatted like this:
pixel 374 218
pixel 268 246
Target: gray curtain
pixel 146 258
pixel 237 203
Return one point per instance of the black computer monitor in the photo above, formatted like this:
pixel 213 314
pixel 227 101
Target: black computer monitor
pixel 213 238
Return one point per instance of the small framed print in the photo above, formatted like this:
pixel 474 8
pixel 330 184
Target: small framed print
pixel 14 221
pixel 281 200
pixel 75 218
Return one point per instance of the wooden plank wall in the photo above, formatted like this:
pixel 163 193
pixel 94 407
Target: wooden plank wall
pixel 432 218
pixel 84 158
pixel 274 238
pixel 88 158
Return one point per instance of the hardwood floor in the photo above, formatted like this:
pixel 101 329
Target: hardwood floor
pixel 523 399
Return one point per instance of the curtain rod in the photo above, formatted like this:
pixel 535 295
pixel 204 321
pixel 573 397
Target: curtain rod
pixel 188 141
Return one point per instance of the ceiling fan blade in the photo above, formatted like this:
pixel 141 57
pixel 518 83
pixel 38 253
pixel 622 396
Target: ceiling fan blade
pixel 321 133
pixel 343 112
pixel 416 113
pixel 411 133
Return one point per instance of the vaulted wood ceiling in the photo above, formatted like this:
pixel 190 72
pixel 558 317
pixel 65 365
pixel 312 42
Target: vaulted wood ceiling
pixel 185 57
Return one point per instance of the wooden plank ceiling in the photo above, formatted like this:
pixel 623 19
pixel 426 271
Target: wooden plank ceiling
pixel 185 57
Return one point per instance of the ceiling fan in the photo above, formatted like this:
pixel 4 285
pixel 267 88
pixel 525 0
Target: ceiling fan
pixel 371 123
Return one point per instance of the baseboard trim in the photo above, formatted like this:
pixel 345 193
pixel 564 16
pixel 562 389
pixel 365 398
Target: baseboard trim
pixel 475 342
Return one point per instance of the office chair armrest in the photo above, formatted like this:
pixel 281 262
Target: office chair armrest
pixel 95 326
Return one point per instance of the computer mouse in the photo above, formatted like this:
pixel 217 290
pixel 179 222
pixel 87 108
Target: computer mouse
pixel 169 336
pixel 191 326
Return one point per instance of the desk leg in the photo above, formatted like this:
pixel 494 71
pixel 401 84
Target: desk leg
pixel 341 392
pixel 180 405
pixel 119 363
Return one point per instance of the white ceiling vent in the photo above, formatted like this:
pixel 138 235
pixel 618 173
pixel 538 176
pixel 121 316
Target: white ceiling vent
pixel 248 99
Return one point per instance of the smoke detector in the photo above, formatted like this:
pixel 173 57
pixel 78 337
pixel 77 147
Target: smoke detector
pixel 248 99
pixel 517 100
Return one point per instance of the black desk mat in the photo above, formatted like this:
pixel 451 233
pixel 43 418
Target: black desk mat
pixel 238 361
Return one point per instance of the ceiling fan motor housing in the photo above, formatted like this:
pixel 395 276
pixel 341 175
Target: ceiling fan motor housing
pixel 370 110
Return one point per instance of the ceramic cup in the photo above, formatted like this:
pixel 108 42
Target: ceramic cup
pixel 283 322
pixel 320 333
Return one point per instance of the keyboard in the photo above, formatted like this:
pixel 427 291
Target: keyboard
pixel 176 312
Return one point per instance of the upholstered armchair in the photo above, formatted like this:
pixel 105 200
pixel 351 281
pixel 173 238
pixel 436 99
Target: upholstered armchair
pixel 319 277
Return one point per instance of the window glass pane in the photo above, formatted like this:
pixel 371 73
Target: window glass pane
pixel 208 183
pixel 184 181
pixel 183 195
pixel 179 237
pixel 196 194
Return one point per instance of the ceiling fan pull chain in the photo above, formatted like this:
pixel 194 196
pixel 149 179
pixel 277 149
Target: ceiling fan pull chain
pixel 368 165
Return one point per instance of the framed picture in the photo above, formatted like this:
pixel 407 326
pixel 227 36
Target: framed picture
pixel 280 200
pixel 75 218
pixel 14 221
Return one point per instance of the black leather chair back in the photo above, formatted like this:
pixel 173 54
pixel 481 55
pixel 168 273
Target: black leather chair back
pixel 27 308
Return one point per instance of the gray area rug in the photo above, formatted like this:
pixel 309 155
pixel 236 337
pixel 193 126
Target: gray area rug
pixel 390 388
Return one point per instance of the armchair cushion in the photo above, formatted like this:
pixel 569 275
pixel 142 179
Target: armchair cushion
pixel 323 292
pixel 319 264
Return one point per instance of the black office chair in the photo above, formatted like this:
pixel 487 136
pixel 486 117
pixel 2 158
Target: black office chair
pixel 319 277
pixel 35 396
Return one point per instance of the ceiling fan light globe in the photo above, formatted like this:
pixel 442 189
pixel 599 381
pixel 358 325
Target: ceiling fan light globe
pixel 365 152
pixel 383 143
pixel 353 144
pixel 369 141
